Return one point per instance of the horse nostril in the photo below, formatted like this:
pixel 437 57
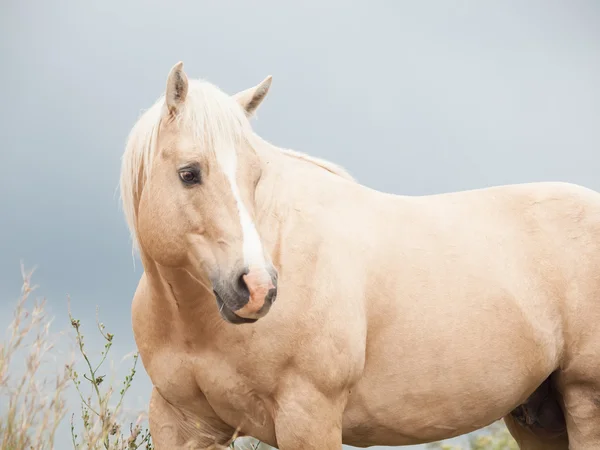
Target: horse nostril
pixel 241 284
pixel 272 295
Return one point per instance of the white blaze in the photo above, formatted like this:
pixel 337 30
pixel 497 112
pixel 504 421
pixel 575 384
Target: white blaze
pixel 252 247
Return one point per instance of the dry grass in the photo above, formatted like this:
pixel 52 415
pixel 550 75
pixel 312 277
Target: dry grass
pixel 32 406
pixel 32 413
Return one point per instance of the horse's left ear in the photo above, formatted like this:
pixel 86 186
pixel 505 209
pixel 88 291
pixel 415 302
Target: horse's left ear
pixel 177 88
pixel 251 98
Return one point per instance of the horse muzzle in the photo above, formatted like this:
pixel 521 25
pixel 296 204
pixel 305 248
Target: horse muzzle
pixel 247 296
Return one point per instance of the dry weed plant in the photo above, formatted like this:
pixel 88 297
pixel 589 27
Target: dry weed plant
pixel 32 408
pixel 101 425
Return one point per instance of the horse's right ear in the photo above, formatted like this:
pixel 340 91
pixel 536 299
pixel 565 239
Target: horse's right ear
pixel 251 98
pixel 177 88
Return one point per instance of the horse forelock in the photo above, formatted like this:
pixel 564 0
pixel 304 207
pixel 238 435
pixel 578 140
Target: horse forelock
pixel 212 117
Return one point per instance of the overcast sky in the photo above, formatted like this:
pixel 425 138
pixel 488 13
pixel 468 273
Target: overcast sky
pixel 413 98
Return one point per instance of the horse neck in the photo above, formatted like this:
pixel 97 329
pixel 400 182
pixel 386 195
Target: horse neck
pixel 177 294
pixel 289 180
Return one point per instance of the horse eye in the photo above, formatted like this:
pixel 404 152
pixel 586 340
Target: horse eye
pixel 189 177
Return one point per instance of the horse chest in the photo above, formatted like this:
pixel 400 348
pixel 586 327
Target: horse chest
pixel 171 373
pixel 233 396
pixel 183 379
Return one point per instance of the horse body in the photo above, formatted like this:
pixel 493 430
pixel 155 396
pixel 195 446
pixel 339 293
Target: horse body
pixel 398 320
pixel 466 310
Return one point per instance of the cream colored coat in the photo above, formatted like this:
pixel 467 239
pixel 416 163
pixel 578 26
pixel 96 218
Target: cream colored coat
pixel 398 320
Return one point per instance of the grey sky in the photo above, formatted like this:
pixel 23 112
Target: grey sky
pixel 411 97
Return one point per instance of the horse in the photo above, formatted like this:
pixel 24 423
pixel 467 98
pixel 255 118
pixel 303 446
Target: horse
pixel 284 300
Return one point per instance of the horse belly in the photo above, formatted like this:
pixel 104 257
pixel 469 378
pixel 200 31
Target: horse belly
pixel 438 373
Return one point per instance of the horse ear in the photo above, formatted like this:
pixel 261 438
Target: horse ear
pixel 177 88
pixel 251 98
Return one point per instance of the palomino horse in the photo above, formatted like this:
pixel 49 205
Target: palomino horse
pixel 285 300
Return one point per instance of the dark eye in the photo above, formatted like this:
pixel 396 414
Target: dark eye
pixel 189 176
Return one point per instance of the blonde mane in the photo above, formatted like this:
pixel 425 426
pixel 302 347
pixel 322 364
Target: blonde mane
pixel 215 119
pixel 324 164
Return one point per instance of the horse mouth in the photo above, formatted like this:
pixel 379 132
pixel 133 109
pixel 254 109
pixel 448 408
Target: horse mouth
pixel 228 314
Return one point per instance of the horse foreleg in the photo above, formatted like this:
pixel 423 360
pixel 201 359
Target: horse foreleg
pixel 307 419
pixel 176 429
